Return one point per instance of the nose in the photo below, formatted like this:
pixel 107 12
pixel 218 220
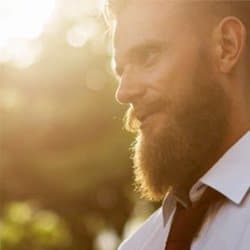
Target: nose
pixel 130 87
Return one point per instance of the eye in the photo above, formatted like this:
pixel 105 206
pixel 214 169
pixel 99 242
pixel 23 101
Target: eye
pixel 147 56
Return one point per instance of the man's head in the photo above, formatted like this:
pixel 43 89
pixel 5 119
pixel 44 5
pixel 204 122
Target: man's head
pixel 183 69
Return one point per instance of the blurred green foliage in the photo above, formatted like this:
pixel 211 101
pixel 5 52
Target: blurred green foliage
pixel 24 226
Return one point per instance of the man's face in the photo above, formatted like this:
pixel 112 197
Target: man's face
pixel 178 107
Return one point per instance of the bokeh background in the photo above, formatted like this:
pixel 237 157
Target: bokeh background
pixel 65 172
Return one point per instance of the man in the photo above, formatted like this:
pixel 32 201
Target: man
pixel 183 68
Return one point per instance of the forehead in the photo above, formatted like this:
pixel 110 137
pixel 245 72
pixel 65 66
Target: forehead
pixel 147 20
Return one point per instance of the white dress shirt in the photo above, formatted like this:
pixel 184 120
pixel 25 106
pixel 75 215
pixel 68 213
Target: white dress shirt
pixel 226 227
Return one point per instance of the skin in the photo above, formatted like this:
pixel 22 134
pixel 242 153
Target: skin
pixel 186 86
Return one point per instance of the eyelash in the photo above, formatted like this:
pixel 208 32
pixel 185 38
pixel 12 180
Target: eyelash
pixel 145 58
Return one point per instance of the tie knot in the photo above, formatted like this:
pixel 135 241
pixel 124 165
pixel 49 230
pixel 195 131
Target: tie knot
pixel 188 221
pixel 209 197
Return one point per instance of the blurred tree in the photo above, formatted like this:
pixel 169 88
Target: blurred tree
pixel 62 147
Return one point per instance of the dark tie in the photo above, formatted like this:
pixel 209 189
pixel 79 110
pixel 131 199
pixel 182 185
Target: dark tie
pixel 188 221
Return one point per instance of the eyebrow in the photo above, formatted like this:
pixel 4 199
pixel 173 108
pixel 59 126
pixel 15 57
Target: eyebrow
pixel 145 45
pixel 138 49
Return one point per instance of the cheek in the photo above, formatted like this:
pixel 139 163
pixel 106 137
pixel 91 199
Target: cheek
pixel 173 77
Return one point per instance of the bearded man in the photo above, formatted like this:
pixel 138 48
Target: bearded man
pixel 183 69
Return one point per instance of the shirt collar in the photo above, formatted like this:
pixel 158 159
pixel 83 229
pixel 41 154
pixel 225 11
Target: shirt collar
pixel 230 176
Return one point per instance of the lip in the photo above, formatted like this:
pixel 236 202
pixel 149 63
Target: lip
pixel 142 116
pixel 147 120
pixel 145 113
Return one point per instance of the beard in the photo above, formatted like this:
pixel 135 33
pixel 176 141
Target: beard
pixel 187 143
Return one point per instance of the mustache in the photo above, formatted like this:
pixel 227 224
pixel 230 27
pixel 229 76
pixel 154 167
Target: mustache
pixel 135 114
pixel 131 123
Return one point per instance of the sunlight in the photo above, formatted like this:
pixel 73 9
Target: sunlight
pixel 100 4
pixel 21 53
pixel 23 18
pixel 80 33
pixel 10 99
pixel 107 240
pixel 94 5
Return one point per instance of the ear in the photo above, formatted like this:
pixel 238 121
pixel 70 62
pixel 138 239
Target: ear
pixel 230 43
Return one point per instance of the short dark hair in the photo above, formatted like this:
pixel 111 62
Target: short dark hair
pixel 209 8
pixel 232 7
pixel 237 8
